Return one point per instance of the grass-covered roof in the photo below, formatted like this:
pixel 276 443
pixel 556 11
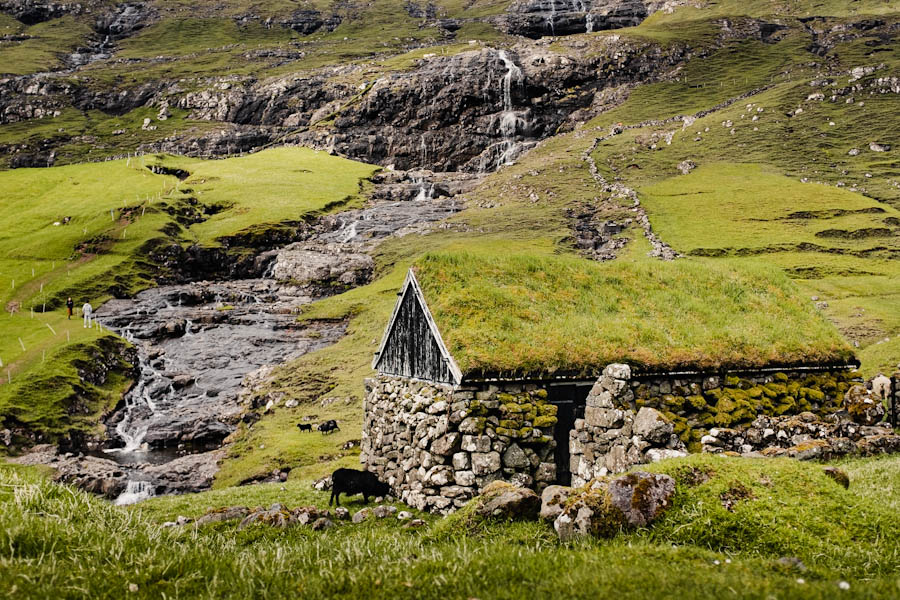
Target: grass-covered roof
pixel 533 314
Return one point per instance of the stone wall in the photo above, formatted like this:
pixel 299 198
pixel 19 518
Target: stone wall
pixel 437 446
pixel 612 436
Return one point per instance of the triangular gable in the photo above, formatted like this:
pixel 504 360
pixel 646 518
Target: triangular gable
pixel 432 360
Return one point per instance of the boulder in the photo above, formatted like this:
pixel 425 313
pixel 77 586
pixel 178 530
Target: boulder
pixel 505 501
pixel 553 500
pixel 607 507
pixel 362 515
pixel 341 513
pixel 322 524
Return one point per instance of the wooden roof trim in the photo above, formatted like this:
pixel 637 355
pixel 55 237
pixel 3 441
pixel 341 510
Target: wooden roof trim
pixel 411 283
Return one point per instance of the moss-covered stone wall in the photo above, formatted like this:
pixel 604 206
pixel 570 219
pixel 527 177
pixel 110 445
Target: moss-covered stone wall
pixel 696 404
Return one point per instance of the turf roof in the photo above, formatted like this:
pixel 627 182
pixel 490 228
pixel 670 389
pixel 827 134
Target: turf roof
pixel 539 314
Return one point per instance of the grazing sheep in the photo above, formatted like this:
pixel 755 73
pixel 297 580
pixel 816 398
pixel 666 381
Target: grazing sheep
pixel 881 386
pixel 351 481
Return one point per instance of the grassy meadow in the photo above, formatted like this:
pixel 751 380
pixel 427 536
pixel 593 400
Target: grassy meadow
pixel 62 542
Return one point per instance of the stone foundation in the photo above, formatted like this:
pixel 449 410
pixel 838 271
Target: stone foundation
pixel 438 446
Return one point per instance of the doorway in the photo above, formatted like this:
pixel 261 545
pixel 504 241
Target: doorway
pixel 569 399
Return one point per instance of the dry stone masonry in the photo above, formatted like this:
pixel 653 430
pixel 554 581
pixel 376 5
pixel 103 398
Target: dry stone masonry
pixel 438 446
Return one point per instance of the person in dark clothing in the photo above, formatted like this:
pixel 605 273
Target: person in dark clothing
pixel 70 304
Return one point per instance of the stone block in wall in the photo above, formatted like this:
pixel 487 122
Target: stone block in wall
pixel 515 458
pixel 476 443
pixel 604 417
pixel 464 478
pixel 439 475
pixel 461 461
pixel 616 460
pixel 546 472
pixel 651 425
pixel 618 371
pixel 446 444
pixel 601 400
pixel 485 463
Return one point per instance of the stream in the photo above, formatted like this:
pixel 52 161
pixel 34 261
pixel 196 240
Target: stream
pixel 197 342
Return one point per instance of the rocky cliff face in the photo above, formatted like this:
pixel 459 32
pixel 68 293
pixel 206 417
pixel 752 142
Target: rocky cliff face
pixel 538 18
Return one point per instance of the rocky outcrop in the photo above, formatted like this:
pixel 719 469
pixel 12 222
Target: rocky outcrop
pixel 31 12
pixel 538 18
pixel 322 267
pixel 184 475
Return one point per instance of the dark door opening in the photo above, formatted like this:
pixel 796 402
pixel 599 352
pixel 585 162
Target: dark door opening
pixel 569 400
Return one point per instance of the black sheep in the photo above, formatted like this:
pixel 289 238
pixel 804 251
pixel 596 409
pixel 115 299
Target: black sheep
pixel 304 426
pixel 328 427
pixel 350 481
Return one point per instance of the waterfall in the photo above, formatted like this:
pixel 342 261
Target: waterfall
pixel 509 119
pixel 426 190
pixel 135 491
pixel 551 18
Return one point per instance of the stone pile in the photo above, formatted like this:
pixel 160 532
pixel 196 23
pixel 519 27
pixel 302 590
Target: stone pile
pixel 437 447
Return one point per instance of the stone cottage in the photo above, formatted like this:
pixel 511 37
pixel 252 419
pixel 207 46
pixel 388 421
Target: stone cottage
pixel 448 412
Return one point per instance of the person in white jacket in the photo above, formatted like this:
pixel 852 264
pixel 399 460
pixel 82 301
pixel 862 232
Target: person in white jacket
pixel 87 310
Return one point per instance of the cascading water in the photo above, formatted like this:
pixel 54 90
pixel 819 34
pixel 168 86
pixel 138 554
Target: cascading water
pixel 510 121
pixel 135 491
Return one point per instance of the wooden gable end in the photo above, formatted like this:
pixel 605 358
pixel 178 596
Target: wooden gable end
pixel 412 345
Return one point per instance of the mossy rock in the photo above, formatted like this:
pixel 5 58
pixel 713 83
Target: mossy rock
pixel 732 381
pixel 675 402
pixel 781 376
pixel 642 392
pixel 697 402
pixel 545 421
pixel 547 410
pixel 754 392
pixel 540 394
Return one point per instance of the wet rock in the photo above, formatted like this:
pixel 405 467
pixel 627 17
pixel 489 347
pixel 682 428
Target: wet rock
pixel 322 266
pixel 505 501
pixel 553 500
pixel 839 475
pixel 186 474
pixel 227 513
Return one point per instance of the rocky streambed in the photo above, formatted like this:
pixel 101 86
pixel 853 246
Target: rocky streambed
pixel 198 342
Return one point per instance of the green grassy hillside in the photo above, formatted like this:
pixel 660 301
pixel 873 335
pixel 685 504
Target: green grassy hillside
pixel 85 231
